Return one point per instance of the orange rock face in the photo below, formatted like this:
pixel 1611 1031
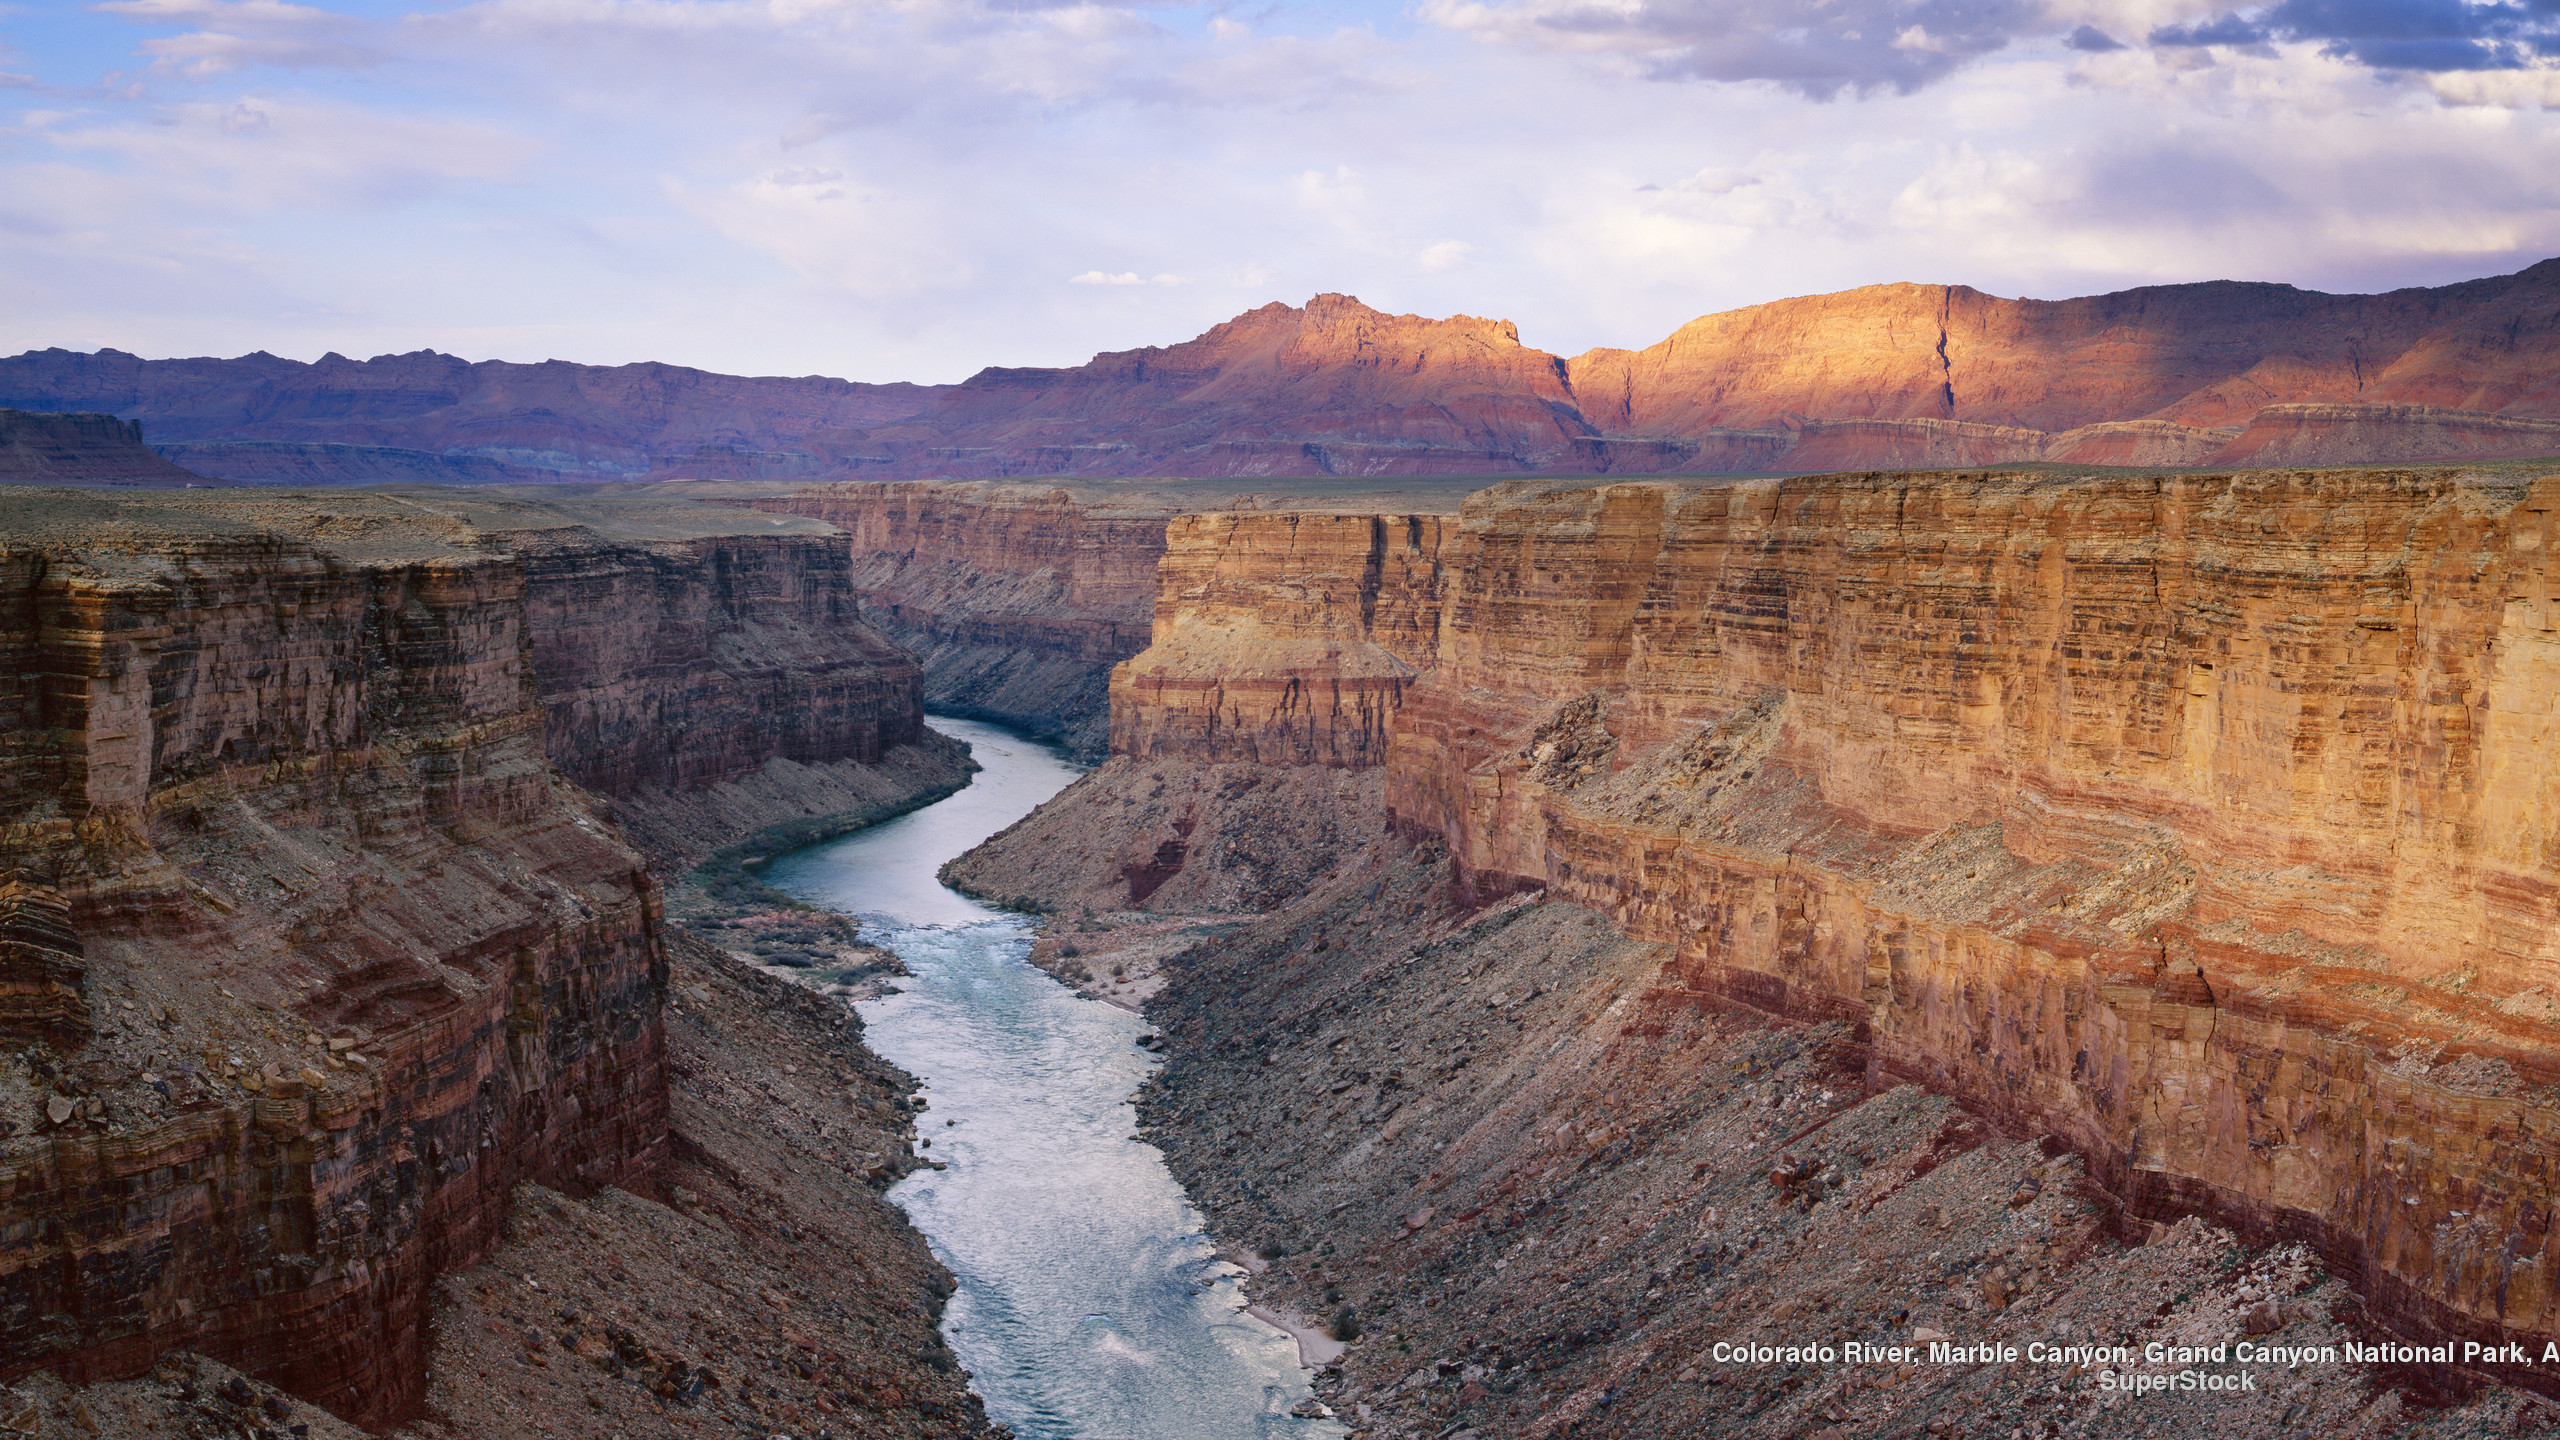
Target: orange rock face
pixel 1018 600
pixel 1286 638
pixel 2200 355
pixel 1394 393
pixel 2208 822
pixel 1885 377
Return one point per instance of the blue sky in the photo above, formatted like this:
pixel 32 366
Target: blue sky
pixel 912 189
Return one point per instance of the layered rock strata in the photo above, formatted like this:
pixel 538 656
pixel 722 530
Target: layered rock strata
pixel 321 955
pixel 1017 601
pixel 1881 377
pixel 1543 1199
pixel 2198 822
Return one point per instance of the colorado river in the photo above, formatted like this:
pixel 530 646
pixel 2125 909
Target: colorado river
pixel 1090 1305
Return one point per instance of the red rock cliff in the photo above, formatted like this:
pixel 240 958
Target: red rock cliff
pixel 291 790
pixel 2207 822
pixel 1017 599
pixel 316 955
pixel 1884 377
pixel 686 663
pixel 1285 638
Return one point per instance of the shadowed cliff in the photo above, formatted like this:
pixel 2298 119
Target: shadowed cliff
pixel 312 948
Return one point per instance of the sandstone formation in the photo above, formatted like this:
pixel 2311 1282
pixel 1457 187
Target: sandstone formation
pixel 313 951
pixel 1285 639
pixel 82 449
pixel 1879 378
pixel 552 419
pixel 1016 600
pixel 2202 355
pixel 2199 823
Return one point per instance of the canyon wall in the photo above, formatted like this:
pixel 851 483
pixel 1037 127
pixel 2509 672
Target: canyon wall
pixel 314 951
pixel 2206 823
pixel 1281 639
pixel 746 646
pixel 1017 600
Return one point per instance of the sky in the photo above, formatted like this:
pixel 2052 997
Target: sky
pixel 914 189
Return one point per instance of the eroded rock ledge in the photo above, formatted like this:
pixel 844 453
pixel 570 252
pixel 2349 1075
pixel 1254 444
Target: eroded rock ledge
pixel 313 953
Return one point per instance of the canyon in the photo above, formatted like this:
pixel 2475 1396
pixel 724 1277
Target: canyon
pixel 1589 920
pixel 1652 851
pixel 316 954
pixel 1885 377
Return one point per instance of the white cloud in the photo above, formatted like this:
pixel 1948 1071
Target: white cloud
pixel 1096 277
pixel 236 34
pixel 2537 88
pixel 1447 255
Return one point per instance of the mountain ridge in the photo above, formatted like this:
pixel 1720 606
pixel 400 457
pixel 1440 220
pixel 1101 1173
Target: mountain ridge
pixel 1861 378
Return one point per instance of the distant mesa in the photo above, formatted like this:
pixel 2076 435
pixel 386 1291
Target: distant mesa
pixel 1884 377
pixel 425 416
pixel 83 449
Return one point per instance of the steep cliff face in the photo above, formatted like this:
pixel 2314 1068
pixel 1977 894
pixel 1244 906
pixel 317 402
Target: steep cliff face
pixel 2205 822
pixel 1285 639
pixel 581 421
pixel 319 955
pixel 744 645
pixel 1017 600
pixel 285 795
pixel 1269 389
pixel 82 449
pixel 2199 355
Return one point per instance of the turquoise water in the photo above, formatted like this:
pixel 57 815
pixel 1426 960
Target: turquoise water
pixel 1090 1305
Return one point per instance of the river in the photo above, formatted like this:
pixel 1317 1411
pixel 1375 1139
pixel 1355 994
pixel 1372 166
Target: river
pixel 1090 1304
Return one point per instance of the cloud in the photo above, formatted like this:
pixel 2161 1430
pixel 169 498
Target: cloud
pixel 251 157
pixel 235 34
pixel 1445 256
pixel 1818 49
pixel 891 189
pixel 2426 36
